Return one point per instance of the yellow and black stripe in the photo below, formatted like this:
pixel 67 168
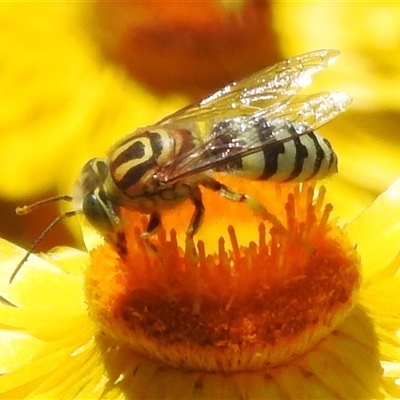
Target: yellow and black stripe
pixel 135 157
pixel 134 161
pixel 285 155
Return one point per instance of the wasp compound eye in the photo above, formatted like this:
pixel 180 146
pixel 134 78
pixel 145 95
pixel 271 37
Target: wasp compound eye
pixel 98 213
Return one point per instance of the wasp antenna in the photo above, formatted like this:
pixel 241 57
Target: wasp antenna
pixel 6 302
pixel 28 208
pixel 40 238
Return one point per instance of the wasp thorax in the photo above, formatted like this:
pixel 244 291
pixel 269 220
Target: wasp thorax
pixel 133 162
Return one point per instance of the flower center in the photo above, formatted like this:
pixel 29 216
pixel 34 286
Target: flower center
pixel 244 306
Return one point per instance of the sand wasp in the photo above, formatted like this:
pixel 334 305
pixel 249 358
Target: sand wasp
pixel 259 128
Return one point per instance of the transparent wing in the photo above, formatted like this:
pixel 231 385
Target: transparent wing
pixel 246 134
pixel 270 86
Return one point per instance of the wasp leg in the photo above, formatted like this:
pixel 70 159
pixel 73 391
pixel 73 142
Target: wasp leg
pixel 198 214
pixel 120 243
pixel 257 207
pixel 153 224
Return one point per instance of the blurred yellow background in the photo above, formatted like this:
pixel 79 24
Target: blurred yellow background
pixel 74 77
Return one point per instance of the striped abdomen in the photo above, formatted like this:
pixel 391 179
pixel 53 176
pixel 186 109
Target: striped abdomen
pixel 286 156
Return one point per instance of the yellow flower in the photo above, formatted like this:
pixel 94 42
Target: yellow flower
pixel 72 94
pixel 155 321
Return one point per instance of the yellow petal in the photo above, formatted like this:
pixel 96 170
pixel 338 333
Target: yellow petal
pixel 39 284
pixel 376 233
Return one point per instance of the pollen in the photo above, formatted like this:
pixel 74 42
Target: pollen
pixel 244 295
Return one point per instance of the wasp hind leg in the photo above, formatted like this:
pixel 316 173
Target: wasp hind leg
pixel 256 206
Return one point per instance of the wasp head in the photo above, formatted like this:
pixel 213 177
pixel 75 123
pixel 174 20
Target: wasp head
pixel 91 197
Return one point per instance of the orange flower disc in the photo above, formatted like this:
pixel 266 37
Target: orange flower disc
pixel 187 47
pixel 243 307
